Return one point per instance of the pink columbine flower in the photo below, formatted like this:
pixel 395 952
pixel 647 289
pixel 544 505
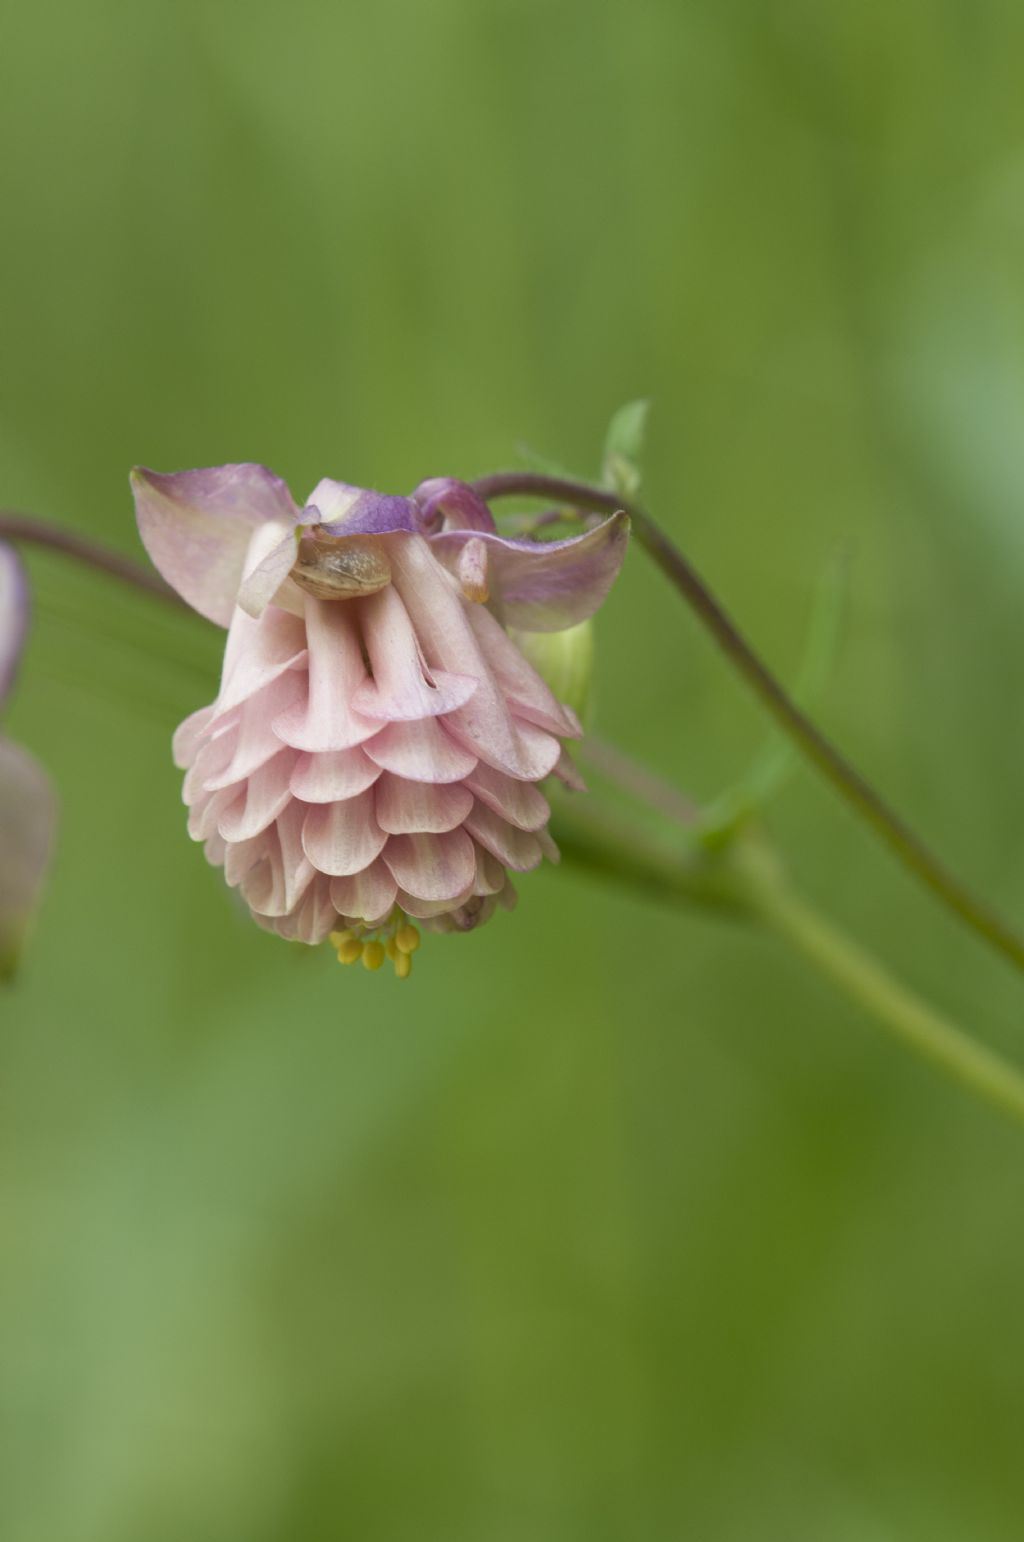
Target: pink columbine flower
pixel 376 748
pixel 28 809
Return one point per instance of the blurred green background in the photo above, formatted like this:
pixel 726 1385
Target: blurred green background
pixel 613 1223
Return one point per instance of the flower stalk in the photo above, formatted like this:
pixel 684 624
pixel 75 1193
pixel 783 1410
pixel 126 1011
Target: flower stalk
pixel 858 793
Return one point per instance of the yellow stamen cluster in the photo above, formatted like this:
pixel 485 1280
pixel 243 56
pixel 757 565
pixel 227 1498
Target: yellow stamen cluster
pixel 396 940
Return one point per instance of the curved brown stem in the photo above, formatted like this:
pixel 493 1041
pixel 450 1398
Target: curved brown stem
pixel 51 537
pixel 845 778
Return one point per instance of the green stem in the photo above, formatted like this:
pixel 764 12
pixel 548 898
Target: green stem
pixel 745 881
pixel 866 981
pixel 848 782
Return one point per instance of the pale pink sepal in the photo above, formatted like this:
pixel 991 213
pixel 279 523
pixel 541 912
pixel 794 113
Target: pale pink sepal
pixel 196 527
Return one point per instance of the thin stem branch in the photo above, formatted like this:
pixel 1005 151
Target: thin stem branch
pixel 848 782
pixel 747 884
pixel 639 781
pixel 51 537
pixel 890 1002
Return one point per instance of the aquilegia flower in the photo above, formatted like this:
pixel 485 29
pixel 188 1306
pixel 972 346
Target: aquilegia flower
pixel 28 809
pixel 375 750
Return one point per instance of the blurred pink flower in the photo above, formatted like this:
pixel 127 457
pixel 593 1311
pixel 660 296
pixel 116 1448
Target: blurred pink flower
pixel 28 810
pixel 376 746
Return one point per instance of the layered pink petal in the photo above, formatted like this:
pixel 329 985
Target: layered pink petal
pixel 422 752
pixel 343 838
pixel 485 725
pixel 519 803
pixel 265 795
pixel 326 719
pixel 333 775
pixel 405 808
pixel 432 867
pixel 514 848
pixel 258 652
pixel 402 687
pixel 255 741
pixel 367 895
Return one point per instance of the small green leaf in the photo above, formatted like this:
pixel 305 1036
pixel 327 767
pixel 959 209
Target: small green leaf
pixel 624 448
pixel 778 757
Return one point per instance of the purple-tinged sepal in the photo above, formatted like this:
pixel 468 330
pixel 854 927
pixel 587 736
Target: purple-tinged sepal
pixel 341 510
pixel 448 504
pixel 544 586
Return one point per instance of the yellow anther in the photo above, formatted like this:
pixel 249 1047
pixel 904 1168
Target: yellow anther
pixel 403 965
pixel 350 951
pixel 407 938
pixel 373 954
pixel 337 938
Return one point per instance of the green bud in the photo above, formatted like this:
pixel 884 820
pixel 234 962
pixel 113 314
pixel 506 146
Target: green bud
pixel 564 661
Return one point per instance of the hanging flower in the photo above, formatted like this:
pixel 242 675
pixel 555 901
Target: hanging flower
pixel 374 755
pixel 28 810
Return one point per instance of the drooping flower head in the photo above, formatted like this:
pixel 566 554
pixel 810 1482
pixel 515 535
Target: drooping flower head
pixel 374 753
pixel 28 810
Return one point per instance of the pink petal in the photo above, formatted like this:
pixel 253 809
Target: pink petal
pixel 313 917
pixel 205 813
pixel 522 685
pixel 258 652
pixel 327 721
pixel 405 807
pixel 490 875
pixel 190 733
pixel 524 752
pixel 432 867
pixel 566 772
pixel 426 910
pixel 28 818
pixel 266 794
pixel 520 803
pixel 343 838
pixel 441 618
pixel 421 752
pixel 513 848
pixel 334 775
pixel 471 570
pixel 256 742
pixel 545 586
pixel 215 850
pixel 196 527
pixel 402 687
pixel 240 857
pixel 548 846
pixel 278 881
pixel 212 757
pixel 13 616
pixel 462 508
pixel 261 583
pixel 366 895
